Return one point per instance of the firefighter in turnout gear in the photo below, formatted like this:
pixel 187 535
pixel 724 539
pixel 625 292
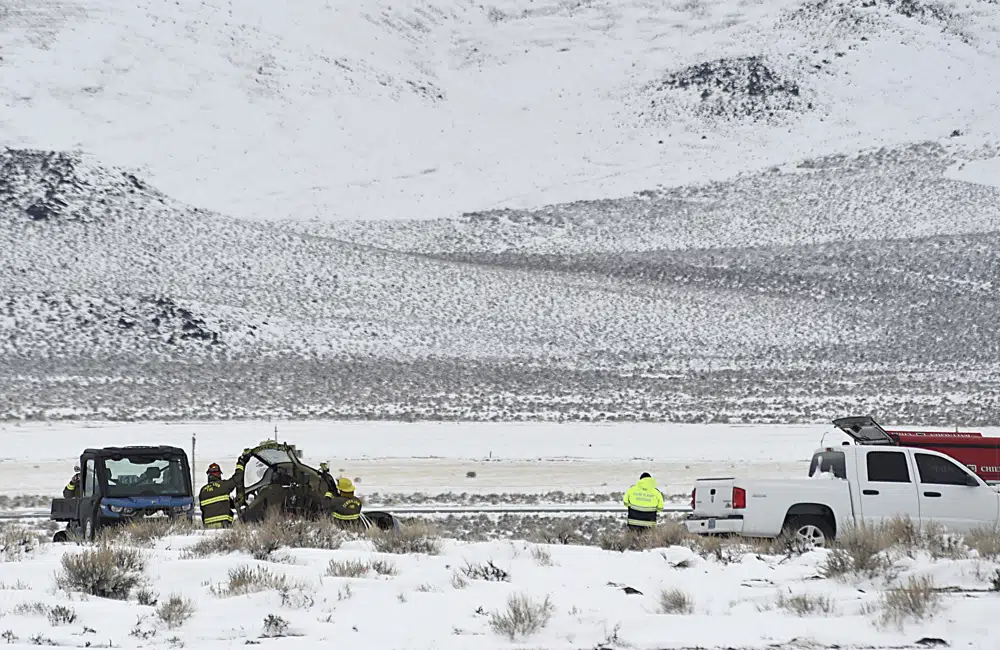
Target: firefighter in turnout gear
pixel 643 501
pixel 344 506
pixel 72 489
pixel 214 501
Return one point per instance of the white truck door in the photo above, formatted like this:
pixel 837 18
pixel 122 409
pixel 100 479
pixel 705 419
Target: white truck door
pixel 953 496
pixel 887 486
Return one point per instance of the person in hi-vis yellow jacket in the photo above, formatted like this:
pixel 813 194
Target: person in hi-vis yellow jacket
pixel 643 501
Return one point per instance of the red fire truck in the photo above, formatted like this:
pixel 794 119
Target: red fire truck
pixel 979 453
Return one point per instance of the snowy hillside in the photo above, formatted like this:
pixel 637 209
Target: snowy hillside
pixel 120 302
pixel 808 220
pixel 431 108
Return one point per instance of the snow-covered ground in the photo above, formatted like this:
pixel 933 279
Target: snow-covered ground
pixel 434 458
pixel 379 109
pixel 736 598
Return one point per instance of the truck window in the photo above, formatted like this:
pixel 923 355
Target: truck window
pixel 829 462
pixel 939 471
pixel 90 478
pixel 888 467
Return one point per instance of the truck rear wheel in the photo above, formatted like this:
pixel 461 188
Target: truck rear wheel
pixel 808 531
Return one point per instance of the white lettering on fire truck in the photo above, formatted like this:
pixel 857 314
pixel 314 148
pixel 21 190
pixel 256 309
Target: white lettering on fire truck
pixel 972 467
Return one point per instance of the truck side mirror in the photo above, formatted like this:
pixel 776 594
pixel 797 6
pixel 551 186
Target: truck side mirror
pixel 971 481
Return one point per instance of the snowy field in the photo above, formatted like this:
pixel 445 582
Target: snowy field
pixel 585 585
pixel 198 590
pixel 434 458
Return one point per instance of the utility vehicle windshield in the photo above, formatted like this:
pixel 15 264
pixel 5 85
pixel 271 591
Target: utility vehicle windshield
pixel 258 472
pixel 146 476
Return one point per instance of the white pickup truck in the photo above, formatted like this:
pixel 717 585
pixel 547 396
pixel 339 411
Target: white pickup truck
pixel 868 480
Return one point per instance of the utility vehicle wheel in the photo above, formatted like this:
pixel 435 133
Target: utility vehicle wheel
pixel 808 531
pixel 88 529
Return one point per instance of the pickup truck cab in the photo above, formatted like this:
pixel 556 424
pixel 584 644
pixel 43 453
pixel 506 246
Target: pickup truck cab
pixel 865 481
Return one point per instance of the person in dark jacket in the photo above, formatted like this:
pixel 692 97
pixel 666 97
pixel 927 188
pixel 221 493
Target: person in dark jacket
pixel 72 489
pixel 643 501
pixel 214 500
pixel 344 507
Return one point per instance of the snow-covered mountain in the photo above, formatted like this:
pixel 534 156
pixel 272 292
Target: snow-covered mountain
pixel 173 204
pixel 432 108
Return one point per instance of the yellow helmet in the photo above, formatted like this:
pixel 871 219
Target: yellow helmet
pixel 344 484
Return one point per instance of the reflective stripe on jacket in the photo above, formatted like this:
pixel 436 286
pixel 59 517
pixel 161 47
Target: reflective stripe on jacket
pixel 216 506
pixel 344 508
pixel 643 501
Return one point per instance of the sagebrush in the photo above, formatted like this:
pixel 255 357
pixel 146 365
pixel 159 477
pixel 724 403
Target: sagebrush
pixel 915 600
pixel 666 533
pixel 806 604
pixel 675 601
pixel 248 579
pixel 16 543
pixel 261 541
pixel 860 550
pixel 414 538
pixel 523 617
pixel 175 611
pixel 104 571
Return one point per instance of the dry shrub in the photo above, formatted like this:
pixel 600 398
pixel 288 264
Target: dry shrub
pixel 901 531
pixel 297 599
pixel 860 550
pixel 985 541
pixel 146 596
pixel 541 555
pixel 724 550
pixel 145 532
pixel 17 542
pixel 261 541
pixel 247 580
pixel 675 601
pixel 667 532
pixel 523 617
pixel 458 582
pixel 806 604
pixel 104 571
pixel 563 532
pixel 34 608
pixel 783 544
pixel 916 600
pixel 383 567
pixel 488 572
pixel 415 538
pixel 909 537
pixel 175 611
pixel 940 544
pixel 274 627
pixel 61 615
pixel 347 569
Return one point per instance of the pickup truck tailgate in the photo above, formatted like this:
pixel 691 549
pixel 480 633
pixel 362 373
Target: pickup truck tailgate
pixel 713 497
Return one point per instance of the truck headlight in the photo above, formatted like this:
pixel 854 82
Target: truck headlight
pixel 121 510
